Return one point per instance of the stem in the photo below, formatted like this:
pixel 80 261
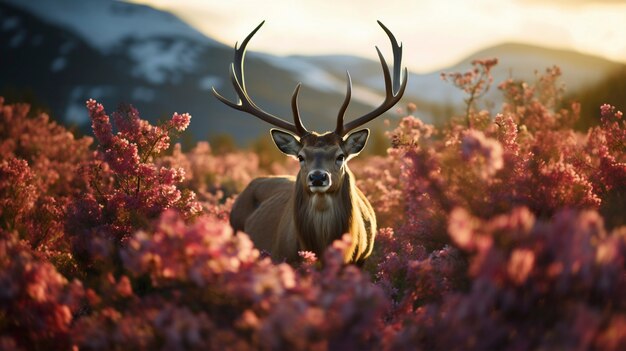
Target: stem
pixel 145 158
pixel 138 184
pixel 470 101
pixel 147 154
pixel 41 239
pixel 473 96
pixel 94 183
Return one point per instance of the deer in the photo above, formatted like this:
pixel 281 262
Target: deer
pixel 284 215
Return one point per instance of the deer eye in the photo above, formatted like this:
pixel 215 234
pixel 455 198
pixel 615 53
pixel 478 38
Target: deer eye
pixel 340 159
pixel 300 159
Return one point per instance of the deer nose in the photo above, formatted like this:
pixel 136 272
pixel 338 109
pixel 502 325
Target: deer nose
pixel 318 178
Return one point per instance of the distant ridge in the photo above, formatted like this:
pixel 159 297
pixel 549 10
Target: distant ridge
pixel 522 60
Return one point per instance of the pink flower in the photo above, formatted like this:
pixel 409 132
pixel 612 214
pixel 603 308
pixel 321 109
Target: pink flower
pixel 100 122
pixel 307 257
pixel 520 265
pixel 124 287
pixel 461 227
pixel 180 122
pixel 608 111
pixel 488 152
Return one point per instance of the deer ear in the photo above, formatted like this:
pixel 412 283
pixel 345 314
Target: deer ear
pixel 355 142
pixel 288 143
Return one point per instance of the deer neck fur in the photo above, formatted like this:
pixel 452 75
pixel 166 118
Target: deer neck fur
pixel 322 218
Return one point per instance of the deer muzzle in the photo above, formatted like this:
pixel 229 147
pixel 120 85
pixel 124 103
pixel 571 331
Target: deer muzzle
pixel 319 181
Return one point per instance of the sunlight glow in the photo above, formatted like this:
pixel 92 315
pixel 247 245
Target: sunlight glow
pixel 435 34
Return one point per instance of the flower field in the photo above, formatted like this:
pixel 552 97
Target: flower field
pixel 504 229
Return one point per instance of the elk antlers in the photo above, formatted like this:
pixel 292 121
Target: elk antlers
pixel 394 89
pixel 246 104
pixel 391 98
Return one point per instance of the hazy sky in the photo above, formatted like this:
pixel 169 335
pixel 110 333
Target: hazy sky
pixel 435 33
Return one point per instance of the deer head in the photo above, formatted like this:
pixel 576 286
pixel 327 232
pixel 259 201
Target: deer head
pixel 322 156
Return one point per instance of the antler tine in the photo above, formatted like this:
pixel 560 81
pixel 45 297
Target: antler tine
pixel 394 89
pixel 344 106
pixel 246 104
pixel 296 113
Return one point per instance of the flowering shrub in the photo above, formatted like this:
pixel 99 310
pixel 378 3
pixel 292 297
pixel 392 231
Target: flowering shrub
pixel 126 189
pixel 215 178
pixel 534 285
pixel 200 287
pixel 497 231
pixel 495 168
pixel 475 83
pixel 36 302
pixel 39 160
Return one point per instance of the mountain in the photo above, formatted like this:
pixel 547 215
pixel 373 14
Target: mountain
pixel 432 95
pixel 64 52
pixel 520 61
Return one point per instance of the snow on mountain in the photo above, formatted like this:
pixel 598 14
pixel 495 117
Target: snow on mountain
pixel 304 71
pixel 319 78
pixel 159 61
pixel 160 44
pixel 105 24
pixel 367 76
